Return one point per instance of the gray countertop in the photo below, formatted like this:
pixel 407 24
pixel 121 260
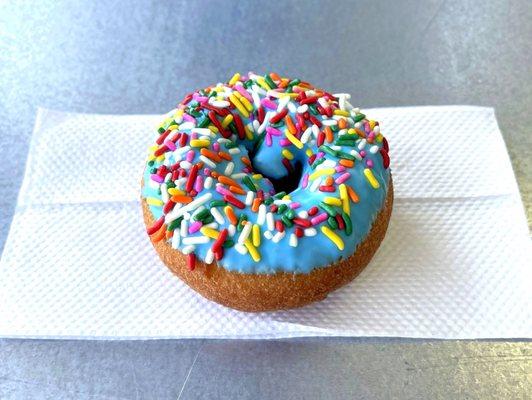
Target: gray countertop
pixel 140 58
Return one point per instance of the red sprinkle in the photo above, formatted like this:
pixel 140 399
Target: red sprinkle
pixel 302 222
pixel 191 261
pixel 385 145
pixel 163 136
pixel 260 114
pixel 187 99
pixel 273 208
pixel 299 232
pixel 309 100
pixel 287 165
pixel 315 121
pixel 183 140
pixel 279 225
pixel 321 138
pixel 192 178
pixel 279 116
pixel 311 159
pixel 219 254
pixel 385 158
pixel 218 243
pixel 312 211
pixel 324 188
pixel 168 207
pixel 234 201
pixel 340 220
pixel 218 125
pixel 156 226
pixel 161 150
pixel 239 126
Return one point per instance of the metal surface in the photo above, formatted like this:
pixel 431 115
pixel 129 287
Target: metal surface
pixel 140 58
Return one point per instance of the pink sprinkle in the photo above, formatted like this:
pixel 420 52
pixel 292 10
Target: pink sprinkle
pixel 320 154
pixel 170 145
pixel 195 226
pixel 369 163
pixel 304 181
pixel 190 155
pixel 268 139
pixel 371 136
pixel 247 170
pixel 339 168
pixel 318 219
pixel 189 118
pixel 273 131
pixel 243 92
pixel 366 126
pixel 342 178
pixel 295 205
pixel 194 135
pixel 157 178
pixel 198 185
pixel 206 172
pixel 268 104
pixel 220 189
pixel 362 153
pixel 216 146
pixel 285 142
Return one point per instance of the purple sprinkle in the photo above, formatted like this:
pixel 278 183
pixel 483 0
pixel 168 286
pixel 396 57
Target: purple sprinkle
pixel 157 178
pixel 304 181
pixel 268 104
pixel 216 146
pixel 320 154
pixel 285 142
pixel 371 136
pixel 268 139
pixel 369 163
pixel 362 153
pixel 273 131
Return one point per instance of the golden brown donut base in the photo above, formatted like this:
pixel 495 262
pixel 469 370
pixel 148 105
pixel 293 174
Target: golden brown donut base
pixel 263 292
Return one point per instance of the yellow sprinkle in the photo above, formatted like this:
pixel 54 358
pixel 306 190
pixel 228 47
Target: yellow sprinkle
pixel 238 105
pixel 333 201
pixel 291 95
pixel 234 79
pixel 343 113
pixel 209 232
pixel 227 120
pixel 262 83
pixel 160 158
pixel 379 137
pixel 213 129
pixel 176 192
pixel 256 235
pixel 371 124
pixel 200 143
pixel 333 237
pixel 245 102
pixel 151 157
pixel 308 152
pixel 178 113
pixel 287 154
pixel 152 201
pixel 295 141
pixel 153 148
pixel 249 133
pixel 172 127
pixel 287 197
pixel 345 199
pixel 252 250
pixel 351 131
pixel 321 172
pixel 371 178
pixel 256 176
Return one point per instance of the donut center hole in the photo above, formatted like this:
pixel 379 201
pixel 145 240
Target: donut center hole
pixel 290 182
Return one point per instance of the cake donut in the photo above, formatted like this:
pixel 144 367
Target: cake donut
pixel 266 193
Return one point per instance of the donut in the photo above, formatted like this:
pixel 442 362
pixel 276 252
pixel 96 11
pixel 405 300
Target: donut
pixel 266 193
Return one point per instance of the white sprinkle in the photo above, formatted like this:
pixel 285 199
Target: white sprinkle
pixel 245 232
pixel 197 211
pixel 270 222
pixel 293 240
pixel 259 90
pixel 188 249
pixel 154 185
pixel 239 175
pixel 195 240
pixel 249 198
pixel 180 182
pixel 334 147
pixel 220 103
pixel 315 130
pixel 279 202
pixel 326 164
pixel 358 125
pixel 234 150
pixel 185 164
pixel 306 135
pixel 374 149
pixel 323 102
pixel 362 144
pixel 229 168
pixel 208 183
pixel 266 122
pixel 212 225
pixel 217 215
pixel 241 248
pixel 292 108
pixel 329 122
pixel 278 236
pixel 310 232
pixel 356 154
pixel 342 132
pixel 176 239
pixel 261 217
pixel 302 109
pixel 164 193
pixel 186 216
pixel 231 229
pixel 268 235
pixel 273 93
pixel 315 185
pixel 198 201
pixel 181 150
pixel 256 99
pixel 184 228
pixel 207 161
pixel 282 103
pixel 209 257
pixel 376 129
pixel 187 126
pixel 302 214
pixel 203 131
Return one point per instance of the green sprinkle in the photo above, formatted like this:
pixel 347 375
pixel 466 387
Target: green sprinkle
pixel 328 150
pixel 335 128
pixel 328 209
pixel 249 183
pixel 345 142
pixel 291 214
pixel 260 139
pixel 228 243
pixel 282 208
pixel 317 162
pixel 280 195
pixel 174 224
pixel 270 82
pixel 241 218
pixel 217 203
pixel 170 184
pixel 294 82
pixel 230 145
pixel 348 223
pixel 346 156
pixel 287 221
pixel 268 201
pixel 161 130
pixel 208 220
pixel 313 109
pixel 202 215
pixel 204 123
pixel 332 223
pixel 153 170
pixel 150 163
pixel 248 83
pixel 359 117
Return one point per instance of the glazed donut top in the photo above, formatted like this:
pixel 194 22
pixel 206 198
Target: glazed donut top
pixel 216 177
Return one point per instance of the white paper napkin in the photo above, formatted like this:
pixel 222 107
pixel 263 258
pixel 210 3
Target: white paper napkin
pixel 455 262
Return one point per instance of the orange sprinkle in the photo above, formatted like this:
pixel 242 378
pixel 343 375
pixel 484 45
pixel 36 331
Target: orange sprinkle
pixel 290 125
pixel 228 181
pixel 274 76
pixel 329 181
pixel 237 190
pixel 284 83
pixel 210 154
pixel 231 215
pixel 169 234
pixel 225 156
pixel 200 164
pixel 255 205
pixel 246 161
pixel 352 194
pixel 159 235
pixel 360 132
pixel 346 163
pixel 342 123
pixel 181 199
pixel 329 134
pixel 215 174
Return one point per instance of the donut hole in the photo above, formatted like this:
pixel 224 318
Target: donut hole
pixel 290 182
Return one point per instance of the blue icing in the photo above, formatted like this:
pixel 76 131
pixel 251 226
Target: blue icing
pixel 312 252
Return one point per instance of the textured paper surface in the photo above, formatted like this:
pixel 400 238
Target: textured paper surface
pixel 455 262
